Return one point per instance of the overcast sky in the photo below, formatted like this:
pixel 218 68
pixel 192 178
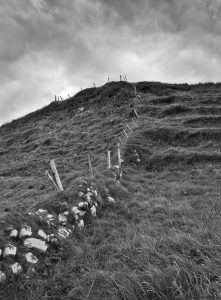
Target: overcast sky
pixel 50 47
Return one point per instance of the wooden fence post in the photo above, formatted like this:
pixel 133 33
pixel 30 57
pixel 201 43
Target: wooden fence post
pixel 55 172
pixel 52 180
pixel 136 113
pixel 118 154
pixel 129 128
pixel 55 99
pixel 90 166
pixel 125 133
pixel 108 159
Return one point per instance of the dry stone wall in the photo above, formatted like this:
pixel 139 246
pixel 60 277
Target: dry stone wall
pixel 45 233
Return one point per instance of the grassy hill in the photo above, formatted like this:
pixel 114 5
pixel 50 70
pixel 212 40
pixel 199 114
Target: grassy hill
pixel 161 239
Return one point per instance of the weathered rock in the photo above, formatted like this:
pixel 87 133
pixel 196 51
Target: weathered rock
pixel 2 276
pixel 31 258
pixel 93 210
pixel 80 194
pixel 36 244
pixel 25 231
pixel 13 233
pixel 83 205
pixel 88 198
pixel 42 234
pixel 81 224
pixel 52 238
pixel 9 250
pixel 110 200
pixel 0 252
pixel 81 213
pixel 77 211
pixel 62 219
pixel 66 213
pixel 16 268
pixel 50 217
pixel 41 211
pixel 64 231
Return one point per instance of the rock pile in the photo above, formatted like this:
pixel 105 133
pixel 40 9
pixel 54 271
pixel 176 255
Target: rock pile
pixel 25 246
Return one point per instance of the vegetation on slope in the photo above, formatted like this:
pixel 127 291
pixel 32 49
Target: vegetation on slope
pixel 161 240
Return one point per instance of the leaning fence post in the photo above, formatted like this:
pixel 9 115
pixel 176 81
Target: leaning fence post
pixel 118 154
pixel 129 128
pixel 55 172
pixel 136 113
pixel 52 180
pixel 55 99
pixel 125 133
pixel 90 166
pixel 108 159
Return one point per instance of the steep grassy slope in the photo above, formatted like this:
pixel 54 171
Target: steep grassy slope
pixel 162 238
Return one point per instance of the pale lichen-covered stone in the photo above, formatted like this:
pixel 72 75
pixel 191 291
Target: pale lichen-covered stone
pixel 66 213
pixel 2 276
pixel 75 209
pixel 77 212
pixel 62 219
pixel 13 233
pixel 52 238
pixel 41 212
pixel 110 200
pixel 88 198
pixel 50 217
pixel 16 268
pixel 80 194
pixel 93 210
pixel 81 224
pixel 25 231
pixel 81 213
pixel 9 250
pixel 36 243
pixel 31 258
pixel 42 234
pixel 63 231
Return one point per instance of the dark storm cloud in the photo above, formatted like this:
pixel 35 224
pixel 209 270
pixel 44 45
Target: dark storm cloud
pixel 58 46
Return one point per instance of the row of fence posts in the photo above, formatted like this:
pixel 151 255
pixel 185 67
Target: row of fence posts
pixel 59 98
pixel 55 177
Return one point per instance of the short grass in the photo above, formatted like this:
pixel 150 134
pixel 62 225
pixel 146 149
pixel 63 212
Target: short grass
pixel 161 240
